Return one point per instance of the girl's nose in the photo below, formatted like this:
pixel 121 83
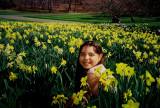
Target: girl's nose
pixel 86 57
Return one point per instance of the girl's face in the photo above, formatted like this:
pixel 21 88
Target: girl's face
pixel 88 57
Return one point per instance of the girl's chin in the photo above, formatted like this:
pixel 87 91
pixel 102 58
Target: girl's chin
pixel 87 67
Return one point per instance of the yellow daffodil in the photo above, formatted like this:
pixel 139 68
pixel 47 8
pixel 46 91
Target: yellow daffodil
pixel 77 98
pixel 109 54
pixel 109 43
pixel 71 49
pixel 60 99
pixel 22 66
pixel 12 48
pixel 38 43
pixel 92 107
pixel 124 70
pixel 27 41
pixel 150 53
pixel 127 95
pixel 83 81
pixel 34 68
pixel 56 47
pixel 44 47
pixel 147 89
pixel 140 60
pixel 12 76
pixel 120 67
pixel 35 39
pixel 53 69
pixel 146 46
pixel 106 85
pixel 145 55
pixel 12 41
pixel 1 46
pixel 151 61
pixel 28 69
pixel 137 54
pixel 48 41
pixel 10 65
pixel 24 36
pixel 41 36
pixel 60 50
pixel 23 54
pixel 149 78
pixel 97 70
pixel 63 63
pixel 141 77
pixel 131 104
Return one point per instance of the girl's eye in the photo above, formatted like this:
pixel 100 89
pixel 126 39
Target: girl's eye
pixel 82 54
pixel 91 54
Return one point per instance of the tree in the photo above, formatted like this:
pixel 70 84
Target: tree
pixel 75 5
pixel 111 8
pixel 42 4
pixel 117 8
pixel 69 6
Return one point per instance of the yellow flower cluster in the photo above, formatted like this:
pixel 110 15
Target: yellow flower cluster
pixel 75 42
pixel 124 70
pixel 131 104
pixel 44 38
pixel 12 76
pixel 127 95
pixel 106 78
pixel 83 81
pixel 77 98
pixel 144 55
pixel 128 98
pixel 60 99
pixel 59 50
pixel 148 77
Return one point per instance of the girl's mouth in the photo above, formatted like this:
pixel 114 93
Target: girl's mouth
pixel 86 63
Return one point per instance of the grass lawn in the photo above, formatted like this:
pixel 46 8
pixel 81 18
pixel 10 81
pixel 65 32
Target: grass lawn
pixel 3 19
pixel 87 18
pixel 9 12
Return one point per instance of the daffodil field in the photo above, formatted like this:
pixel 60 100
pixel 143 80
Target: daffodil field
pixel 38 65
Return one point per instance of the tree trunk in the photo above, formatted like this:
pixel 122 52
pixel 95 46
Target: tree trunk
pixel 43 4
pixel 75 5
pixel 69 7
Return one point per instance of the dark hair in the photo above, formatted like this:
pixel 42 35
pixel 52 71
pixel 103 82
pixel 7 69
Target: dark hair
pixel 80 71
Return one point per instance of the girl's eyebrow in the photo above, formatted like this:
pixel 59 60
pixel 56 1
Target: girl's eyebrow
pixel 89 52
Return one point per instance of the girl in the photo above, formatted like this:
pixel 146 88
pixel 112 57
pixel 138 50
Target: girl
pixel 90 56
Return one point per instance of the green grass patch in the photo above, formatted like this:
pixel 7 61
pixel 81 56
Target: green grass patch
pixel 3 19
pixel 16 13
pixel 150 21
pixel 87 18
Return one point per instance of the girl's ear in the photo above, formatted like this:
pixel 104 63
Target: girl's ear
pixel 100 56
